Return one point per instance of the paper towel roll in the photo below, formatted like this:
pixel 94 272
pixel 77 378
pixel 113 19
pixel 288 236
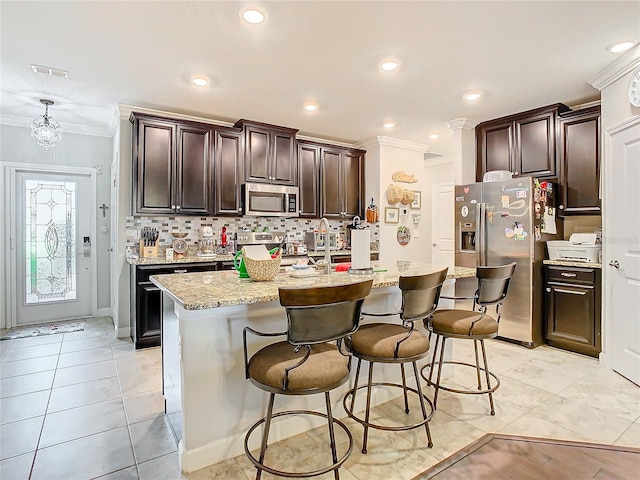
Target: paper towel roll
pixel 360 249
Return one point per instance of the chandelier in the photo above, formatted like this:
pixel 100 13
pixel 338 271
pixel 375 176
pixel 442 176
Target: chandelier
pixel 46 132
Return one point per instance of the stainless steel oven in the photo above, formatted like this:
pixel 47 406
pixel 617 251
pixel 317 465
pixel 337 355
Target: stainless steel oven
pixel 262 200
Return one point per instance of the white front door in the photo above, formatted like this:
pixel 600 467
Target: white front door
pixel 623 250
pixel 442 228
pixel 52 258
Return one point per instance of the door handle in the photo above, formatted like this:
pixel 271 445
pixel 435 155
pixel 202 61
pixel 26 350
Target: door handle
pixel 614 264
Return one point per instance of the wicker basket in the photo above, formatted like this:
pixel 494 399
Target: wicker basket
pixel 262 270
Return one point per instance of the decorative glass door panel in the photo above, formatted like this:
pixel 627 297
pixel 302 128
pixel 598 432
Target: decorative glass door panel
pixel 50 241
pixel 53 247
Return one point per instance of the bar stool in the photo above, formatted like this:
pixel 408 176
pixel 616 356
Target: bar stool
pixel 400 344
pixel 307 363
pixel 475 324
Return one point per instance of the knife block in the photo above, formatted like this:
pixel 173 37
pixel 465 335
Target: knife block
pixel 147 251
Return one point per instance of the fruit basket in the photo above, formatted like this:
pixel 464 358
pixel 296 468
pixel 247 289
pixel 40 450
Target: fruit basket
pixel 262 270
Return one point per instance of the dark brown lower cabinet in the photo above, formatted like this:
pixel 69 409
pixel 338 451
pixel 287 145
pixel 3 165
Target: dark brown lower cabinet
pixel 572 306
pixel 146 299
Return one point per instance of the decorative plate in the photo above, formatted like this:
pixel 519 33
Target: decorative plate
pixel 404 235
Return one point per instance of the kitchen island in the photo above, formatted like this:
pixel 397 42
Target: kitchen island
pixel 205 390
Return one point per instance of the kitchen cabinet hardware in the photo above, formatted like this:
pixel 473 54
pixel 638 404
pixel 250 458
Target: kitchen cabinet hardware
pixel 572 308
pixel 269 153
pixel 341 182
pixel 579 161
pixel 172 166
pixel 146 300
pixel 524 143
pixel 331 180
pixel 614 264
pixel 228 159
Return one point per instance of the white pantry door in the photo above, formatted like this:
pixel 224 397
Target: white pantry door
pixel 442 224
pixel 623 246
pixel 53 247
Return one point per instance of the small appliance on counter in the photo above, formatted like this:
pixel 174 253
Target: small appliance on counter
pixel 206 242
pixel 316 241
pixel 581 247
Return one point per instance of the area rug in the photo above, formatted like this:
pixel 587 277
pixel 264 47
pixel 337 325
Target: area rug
pixel 49 329
pixel 501 457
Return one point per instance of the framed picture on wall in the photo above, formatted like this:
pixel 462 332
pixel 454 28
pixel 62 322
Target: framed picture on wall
pixel 417 200
pixel 391 215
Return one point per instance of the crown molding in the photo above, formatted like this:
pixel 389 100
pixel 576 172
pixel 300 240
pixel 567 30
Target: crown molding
pixel 394 142
pixel 125 112
pixel 330 142
pixel 24 122
pixel 464 123
pixel 433 159
pixel 617 69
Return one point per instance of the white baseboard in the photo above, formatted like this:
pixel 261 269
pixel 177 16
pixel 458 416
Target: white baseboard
pixel 123 332
pixel 104 312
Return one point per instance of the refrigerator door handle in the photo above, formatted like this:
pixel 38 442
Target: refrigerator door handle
pixel 481 234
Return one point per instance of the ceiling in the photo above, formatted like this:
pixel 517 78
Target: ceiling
pixel 143 53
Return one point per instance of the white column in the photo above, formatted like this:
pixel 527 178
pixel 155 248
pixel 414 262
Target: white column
pixel 464 150
pixel 394 155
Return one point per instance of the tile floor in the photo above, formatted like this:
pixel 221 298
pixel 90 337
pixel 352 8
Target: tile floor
pixel 84 405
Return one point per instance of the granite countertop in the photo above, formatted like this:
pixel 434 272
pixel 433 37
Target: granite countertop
pixel 569 263
pixel 203 290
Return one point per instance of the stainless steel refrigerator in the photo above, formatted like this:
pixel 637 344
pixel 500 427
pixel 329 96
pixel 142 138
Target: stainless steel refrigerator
pixel 502 222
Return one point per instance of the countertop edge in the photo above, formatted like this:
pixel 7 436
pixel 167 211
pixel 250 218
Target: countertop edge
pixel 569 263
pixel 250 297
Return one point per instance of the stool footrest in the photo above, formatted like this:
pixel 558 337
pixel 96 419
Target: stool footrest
pixel 468 391
pixel 400 428
pixel 273 471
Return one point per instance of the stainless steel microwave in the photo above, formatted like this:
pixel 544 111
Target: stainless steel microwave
pixel 262 200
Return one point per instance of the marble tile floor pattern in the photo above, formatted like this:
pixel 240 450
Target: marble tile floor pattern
pixel 84 405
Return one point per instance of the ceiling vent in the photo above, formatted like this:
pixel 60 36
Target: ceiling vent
pixel 54 72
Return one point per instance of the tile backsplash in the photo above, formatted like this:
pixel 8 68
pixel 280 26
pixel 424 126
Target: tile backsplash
pixel 166 225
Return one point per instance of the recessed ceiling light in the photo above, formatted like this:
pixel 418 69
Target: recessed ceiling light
pixel 434 136
pixel 310 106
pixel 620 46
pixel 389 65
pixel 388 124
pixel 252 15
pixel 472 96
pixel 54 72
pixel 200 81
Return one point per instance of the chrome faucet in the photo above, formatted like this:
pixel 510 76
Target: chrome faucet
pixel 327 252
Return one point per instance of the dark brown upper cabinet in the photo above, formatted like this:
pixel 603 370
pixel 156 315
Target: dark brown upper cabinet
pixel 579 162
pixel 309 179
pixel 341 182
pixel 172 167
pixel 228 171
pixel 269 153
pixel 524 143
